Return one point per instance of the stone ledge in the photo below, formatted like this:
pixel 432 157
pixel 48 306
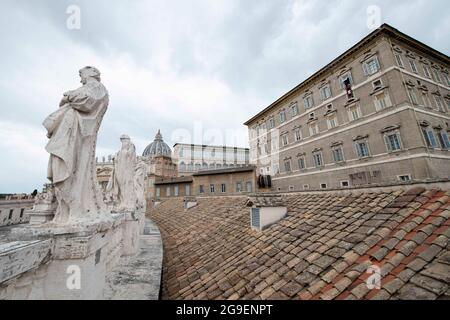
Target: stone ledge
pixel 19 257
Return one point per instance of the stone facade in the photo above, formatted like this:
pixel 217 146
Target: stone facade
pixel 192 158
pixel 13 211
pixel 388 124
pixel 219 182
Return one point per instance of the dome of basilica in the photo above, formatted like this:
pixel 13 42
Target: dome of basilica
pixel 157 148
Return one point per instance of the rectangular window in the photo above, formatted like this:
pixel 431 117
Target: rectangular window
pixel 176 191
pixel 362 149
pixel 399 60
pixel 201 189
pixel 443 139
pixel 223 188
pixel 382 101
pixel 429 138
pixel 338 155
pixel 325 93
pixel 426 100
pixel 371 66
pixel 282 116
pixel 287 165
pixel 413 66
pixel 249 186
pixel 308 102
pixel 306 187
pixel 404 178
pixel 439 104
pixel 10 214
pixel 354 113
pixel 158 192
pixel 271 123
pixel 392 142
pixel 323 186
pixel 21 213
pixel 318 160
pixel 294 110
pixel 446 78
pixel 187 190
pixel 301 163
pixel 313 129
pixel 298 134
pixel 332 122
pixel 291 188
pixel 346 78
pixel 167 191
pixel 238 187
pixel 345 184
pixel 437 77
pixel 426 72
pixel 284 140
pixel 412 95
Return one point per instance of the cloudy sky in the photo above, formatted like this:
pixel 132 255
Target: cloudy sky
pixel 195 69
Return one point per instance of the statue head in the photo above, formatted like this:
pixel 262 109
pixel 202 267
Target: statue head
pixel 125 139
pixel 89 73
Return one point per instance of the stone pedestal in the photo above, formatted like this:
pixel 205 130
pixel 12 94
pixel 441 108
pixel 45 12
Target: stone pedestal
pixel 40 217
pixel 77 268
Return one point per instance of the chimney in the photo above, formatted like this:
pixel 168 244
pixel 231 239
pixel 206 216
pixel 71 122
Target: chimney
pixel 265 210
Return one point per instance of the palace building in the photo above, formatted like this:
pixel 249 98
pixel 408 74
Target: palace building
pixel 192 158
pixel 378 114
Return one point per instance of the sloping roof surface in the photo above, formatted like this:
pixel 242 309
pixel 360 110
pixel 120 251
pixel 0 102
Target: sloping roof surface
pixel 321 250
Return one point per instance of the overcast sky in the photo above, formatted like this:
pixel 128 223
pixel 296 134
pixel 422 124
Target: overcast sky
pixel 194 69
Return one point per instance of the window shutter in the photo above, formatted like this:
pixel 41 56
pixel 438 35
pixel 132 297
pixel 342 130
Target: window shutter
pixel 365 69
pixel 388 143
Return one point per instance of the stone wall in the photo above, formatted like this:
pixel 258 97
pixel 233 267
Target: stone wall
pixel 46 267
pixel 13 211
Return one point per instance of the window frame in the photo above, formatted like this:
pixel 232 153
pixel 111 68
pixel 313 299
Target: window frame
pixel 341 152
pixel 366 143
pixel 293 107
pixel 326 89
pixel 318 155
pixel 308 102
pixel 367 70
pixel 334 118
pixel 287 163
pixel 350 112
pixel 387 141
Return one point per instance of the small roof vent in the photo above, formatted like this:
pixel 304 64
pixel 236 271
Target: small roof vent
pixel 266 210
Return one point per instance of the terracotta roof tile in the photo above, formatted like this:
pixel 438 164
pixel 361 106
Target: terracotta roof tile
pixel 321 250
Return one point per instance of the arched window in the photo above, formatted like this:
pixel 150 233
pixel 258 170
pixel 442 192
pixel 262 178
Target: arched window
pixel 198 166
pixel 205 165
pixel 182 166
pixel 212 166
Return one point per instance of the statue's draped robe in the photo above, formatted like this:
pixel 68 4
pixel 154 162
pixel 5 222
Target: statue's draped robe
pixel 139 180
pixel 73 129
pixel 124 174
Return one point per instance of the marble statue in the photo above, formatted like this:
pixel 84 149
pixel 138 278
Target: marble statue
pixel 72 131
pixel 121 184
pixel 139 184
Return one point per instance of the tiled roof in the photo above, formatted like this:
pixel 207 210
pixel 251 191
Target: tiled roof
pixel 321 250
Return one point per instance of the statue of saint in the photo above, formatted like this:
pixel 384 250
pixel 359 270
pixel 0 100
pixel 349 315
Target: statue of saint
pixel 121 184
pixel 72 131
pixel 139 184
